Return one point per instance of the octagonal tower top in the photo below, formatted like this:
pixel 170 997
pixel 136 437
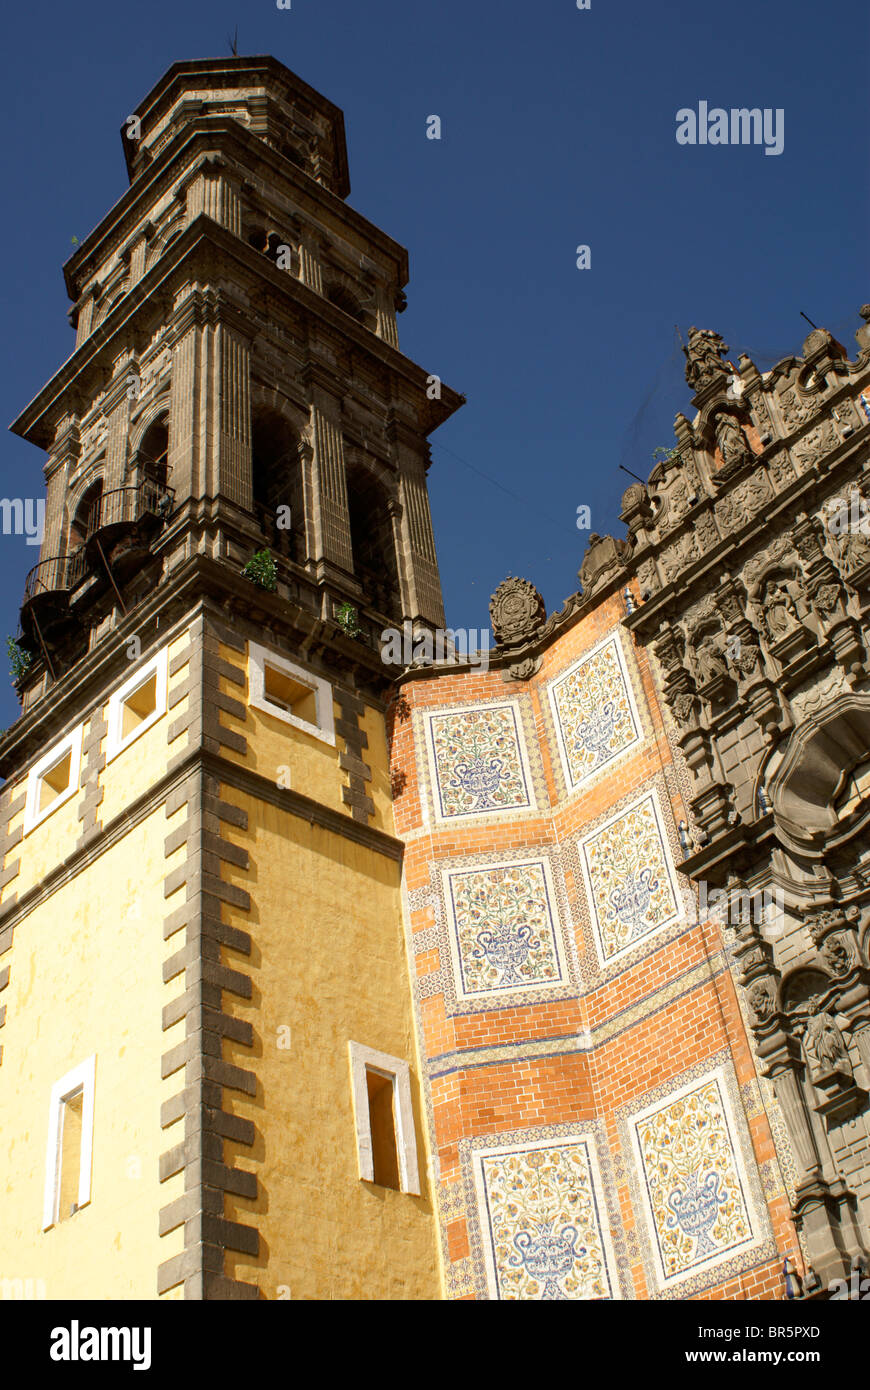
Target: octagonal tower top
pixel 263 95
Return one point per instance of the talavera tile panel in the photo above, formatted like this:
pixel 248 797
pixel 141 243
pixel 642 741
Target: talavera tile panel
pixel 503 928
pixel 631 883
pixel 478 760
pixel 594 711
pixel 543 1221
pixel 697 1202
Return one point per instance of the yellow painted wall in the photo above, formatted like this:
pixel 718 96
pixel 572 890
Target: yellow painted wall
pixel 329 961
pixel 143 762
pixel 126 777
pixel 313 765
pixel 86 977
pixel 47 844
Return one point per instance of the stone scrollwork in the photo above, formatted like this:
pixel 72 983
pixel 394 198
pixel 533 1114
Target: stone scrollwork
pixel 517 612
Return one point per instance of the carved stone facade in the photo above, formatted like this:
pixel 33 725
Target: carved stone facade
pixel 757 613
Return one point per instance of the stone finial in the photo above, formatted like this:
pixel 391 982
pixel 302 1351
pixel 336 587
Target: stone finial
pixel 704 365
pixel 517 612
pixel 604 557
pixel 636 507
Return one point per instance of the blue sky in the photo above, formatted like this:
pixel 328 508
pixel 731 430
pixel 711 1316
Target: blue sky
pixel 558 129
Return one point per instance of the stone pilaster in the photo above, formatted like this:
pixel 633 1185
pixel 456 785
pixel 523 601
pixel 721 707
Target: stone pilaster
pixel 189 341
pixel 309 264
pixel 422 588
pixel 331 520
pixel 232 414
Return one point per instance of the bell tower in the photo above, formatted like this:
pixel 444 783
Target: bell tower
pixel 207 1032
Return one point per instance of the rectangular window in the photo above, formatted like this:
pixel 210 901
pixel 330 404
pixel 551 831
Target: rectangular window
pixel 386 1138
pixel 290 693
pixel 70 1145
pixel 71 1111
pixel 382 1127
pixel 54 779
pixel 137 704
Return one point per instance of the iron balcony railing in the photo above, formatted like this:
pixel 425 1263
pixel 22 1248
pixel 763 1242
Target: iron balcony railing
pixel 124 504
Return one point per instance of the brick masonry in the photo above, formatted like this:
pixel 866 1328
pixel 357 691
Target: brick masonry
pixel 531 845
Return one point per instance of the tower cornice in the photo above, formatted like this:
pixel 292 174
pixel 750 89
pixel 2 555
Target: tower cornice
pixel 205 238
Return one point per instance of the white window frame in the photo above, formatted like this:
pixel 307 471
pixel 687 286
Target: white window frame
pixel 116 742
pixel 71 743
pixel 81 1080
pixel 365 1059
pixel 258 659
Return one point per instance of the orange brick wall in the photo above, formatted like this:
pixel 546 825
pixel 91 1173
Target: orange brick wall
pixel 548 1063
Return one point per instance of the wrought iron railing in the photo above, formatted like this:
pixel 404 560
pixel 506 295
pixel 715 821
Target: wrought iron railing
pixel 46 577
pixel 124 504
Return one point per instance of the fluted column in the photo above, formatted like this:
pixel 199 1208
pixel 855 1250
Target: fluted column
pixel 234 481
pixel 422 596
pixel 331 519
pixel 387 323
pixel 62 459
pixel 309 264
pixel 187 447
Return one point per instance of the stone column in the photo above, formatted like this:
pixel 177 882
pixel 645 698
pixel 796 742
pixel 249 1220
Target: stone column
pixel 309 263
pixel 211 192
pixel 85 319
pixel 116 405
pixel 63 457
pixel 330 511
pixel 189 340
pixel 387 322
pixel 417 561
pixel 233 415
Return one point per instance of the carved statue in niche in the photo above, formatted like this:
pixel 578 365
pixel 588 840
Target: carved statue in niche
pixel 780 613
pixel 823 1043
pixel 854 551
pixel 732 442
pixel 704 358
pixel 709 661
pixel 744 658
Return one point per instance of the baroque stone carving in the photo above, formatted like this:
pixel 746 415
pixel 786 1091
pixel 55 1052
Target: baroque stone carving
pixel 523 670
pixel 836 954
pixel 823 1043
pixel 761 999
pixel 604 556
pixel 781 469
pixel 708 660
pixel 794 410
pixel 733 445
pixel 780 615
pixel 853 552
pixel 814 445
pixel 704 365
pixel 517 612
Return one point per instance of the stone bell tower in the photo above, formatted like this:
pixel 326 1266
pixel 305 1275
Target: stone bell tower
pixel 207 1034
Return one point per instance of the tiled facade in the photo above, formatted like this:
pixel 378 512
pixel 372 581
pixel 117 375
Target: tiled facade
pixel 593 1102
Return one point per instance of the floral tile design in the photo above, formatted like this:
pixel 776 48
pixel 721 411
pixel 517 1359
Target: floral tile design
pixel 503 927
pixel 478 761
pixel 594 711
pixel 630 879
pixel 693 1182
pixel 543 1221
